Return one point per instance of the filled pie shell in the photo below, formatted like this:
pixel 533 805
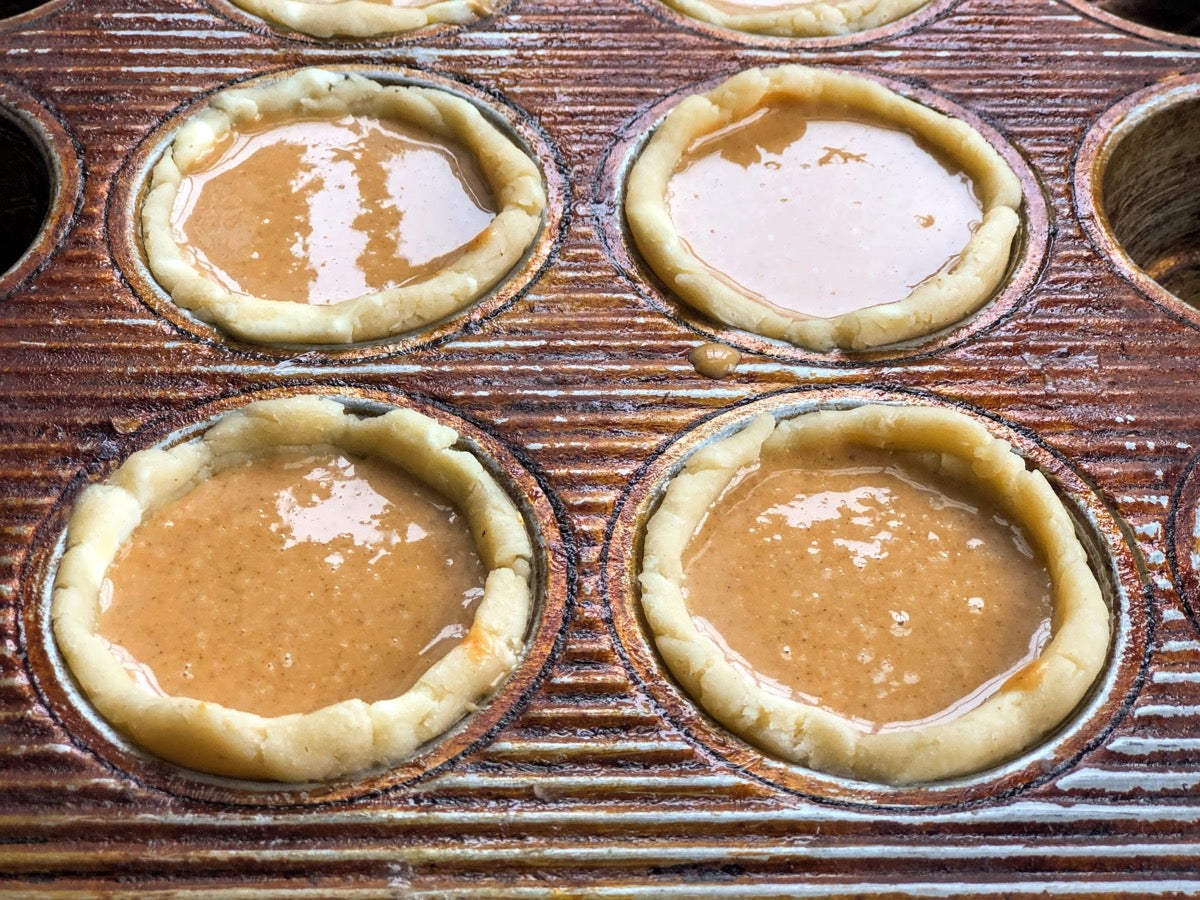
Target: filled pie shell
pixel 513 177
pixel 1026 708
pixel 941 300
pixel 343 738
pixel 816 18
pixel 363 18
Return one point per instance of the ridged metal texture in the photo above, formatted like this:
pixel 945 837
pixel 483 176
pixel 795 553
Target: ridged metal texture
pixel 594 774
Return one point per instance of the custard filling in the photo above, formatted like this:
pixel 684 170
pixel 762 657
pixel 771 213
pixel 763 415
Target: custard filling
pixel 320 211
pixel 821 210
pixel 291 583
pixel 852 579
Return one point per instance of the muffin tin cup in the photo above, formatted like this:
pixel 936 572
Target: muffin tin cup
pixel 914 20
pixel 15 13
pixel 589 771
pixel 551 581
pixel 1158 20
pixel 1027 258
pixel 1137 184
pixel 246 19
pixel 58 189
pixel 1111 558
pixel 127 247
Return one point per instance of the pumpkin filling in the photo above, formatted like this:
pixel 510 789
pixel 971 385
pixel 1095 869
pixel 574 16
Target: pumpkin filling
pixel 852 579
pixel 819 210
pixel 324 210
pixel 293 582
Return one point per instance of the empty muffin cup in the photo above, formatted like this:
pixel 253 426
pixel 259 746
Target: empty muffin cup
pixel 25 190
pixel 10 8
pixel 1175 16
pixel 1148 174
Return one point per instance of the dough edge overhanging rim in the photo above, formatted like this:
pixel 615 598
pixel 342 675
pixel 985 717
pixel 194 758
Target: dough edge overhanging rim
pixel 940 301
pixel 512 175
pixel 817 18
pixel 1029 706
pixel 342 739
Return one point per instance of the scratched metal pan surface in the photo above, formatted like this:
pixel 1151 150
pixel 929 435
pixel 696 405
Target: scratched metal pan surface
pixel 590 771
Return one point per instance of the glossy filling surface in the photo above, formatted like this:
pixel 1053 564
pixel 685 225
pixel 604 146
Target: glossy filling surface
pixel 853 580
pixel 714 360
pixel 293 582
pixel 816 211
pixel 324 210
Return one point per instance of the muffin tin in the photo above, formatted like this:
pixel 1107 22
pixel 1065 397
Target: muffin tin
pixel 590 771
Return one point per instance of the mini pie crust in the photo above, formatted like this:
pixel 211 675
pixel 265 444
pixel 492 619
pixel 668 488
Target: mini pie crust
pixel 343 738
pixel 363 18
pixel 1027 707
pixel 513 177
pixel 940 301
pixel 815 18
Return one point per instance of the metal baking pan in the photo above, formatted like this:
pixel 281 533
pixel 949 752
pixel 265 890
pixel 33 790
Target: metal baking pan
pixel 590 772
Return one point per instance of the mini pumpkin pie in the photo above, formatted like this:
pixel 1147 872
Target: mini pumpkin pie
pixel 883 592
pixel 364 18
pixel 788 18
pixel 300 593
pixel 823 209
pixel 326 208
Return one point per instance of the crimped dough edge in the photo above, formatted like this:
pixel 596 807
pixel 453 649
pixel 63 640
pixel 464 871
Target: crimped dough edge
pixel 942 300
pixel 513 176
pixel 341 739
pixel 816 18
pixel 363 18
pixel 1028 707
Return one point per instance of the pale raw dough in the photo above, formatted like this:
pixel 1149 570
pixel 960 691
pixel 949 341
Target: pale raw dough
pixel 936 303
pixel 1028 707
pixel 814 18
pixel 514 178
pixel 341 739
pixel 363 18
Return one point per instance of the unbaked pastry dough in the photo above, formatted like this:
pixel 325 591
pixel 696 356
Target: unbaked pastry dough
pixel 343 738
pixel 940 300
pixel 814 18
pixel 1026 708
pixel 364 18
pixel 513 177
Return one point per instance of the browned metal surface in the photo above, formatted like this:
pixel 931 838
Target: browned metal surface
pixel 590 772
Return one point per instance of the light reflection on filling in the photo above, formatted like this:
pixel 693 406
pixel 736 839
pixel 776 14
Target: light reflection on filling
pixel 815 211
pixel 291 583
pixel 324 210
pixel 863 585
